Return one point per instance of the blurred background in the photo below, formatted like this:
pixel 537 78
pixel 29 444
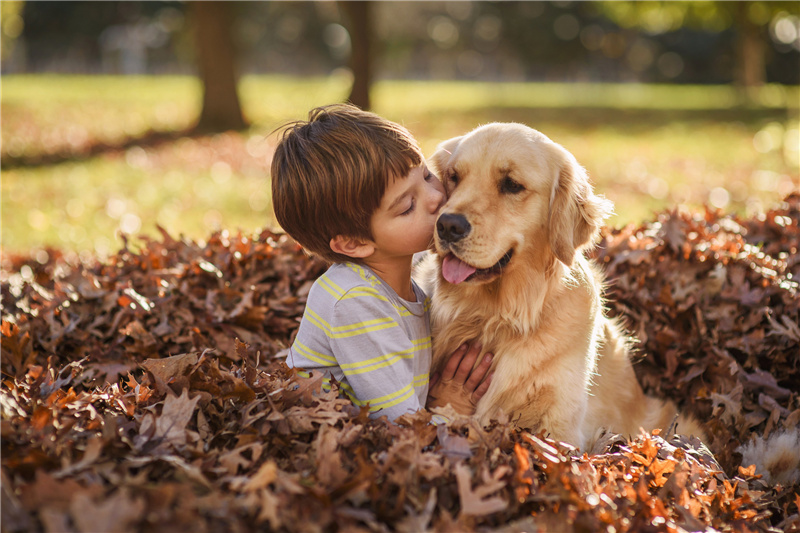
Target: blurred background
pixel 121 116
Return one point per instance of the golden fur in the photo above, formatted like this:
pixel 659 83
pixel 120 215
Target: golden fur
pixel 559 362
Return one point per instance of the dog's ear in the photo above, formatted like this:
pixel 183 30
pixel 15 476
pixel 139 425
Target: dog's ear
pixel 576 213
pixel 443 154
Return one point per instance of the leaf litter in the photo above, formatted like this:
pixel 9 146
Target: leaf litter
pixel 149 392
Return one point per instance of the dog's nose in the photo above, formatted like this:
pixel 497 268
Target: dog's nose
pixel 452 228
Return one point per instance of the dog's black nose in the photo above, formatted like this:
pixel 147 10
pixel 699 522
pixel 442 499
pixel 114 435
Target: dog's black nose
pixel 452 228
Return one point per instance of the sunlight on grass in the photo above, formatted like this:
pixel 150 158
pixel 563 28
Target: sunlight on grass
pixel 449 96
pixel 86 205
pixel 44 114
pixel 647 148
pixel 132 91
pixel 271 101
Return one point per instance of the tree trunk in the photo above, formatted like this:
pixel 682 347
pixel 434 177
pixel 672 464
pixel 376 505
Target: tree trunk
pixel 216 61
pixel 750 50
pixel 360 28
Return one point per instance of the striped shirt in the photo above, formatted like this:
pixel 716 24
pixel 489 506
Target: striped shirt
pixel 356 329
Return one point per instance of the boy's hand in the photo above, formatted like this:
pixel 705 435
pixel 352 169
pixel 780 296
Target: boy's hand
pixel 459 384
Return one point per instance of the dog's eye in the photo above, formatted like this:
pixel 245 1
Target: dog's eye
pixel 454 179
pixel 509 186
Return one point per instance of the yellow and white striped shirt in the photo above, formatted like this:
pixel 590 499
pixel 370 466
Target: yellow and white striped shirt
pixel 356 329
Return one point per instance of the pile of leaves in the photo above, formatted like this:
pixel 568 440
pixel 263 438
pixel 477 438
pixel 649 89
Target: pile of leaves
pixel 148 392
pixel 714 304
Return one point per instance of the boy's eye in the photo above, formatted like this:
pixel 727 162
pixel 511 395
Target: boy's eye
pixel 410 208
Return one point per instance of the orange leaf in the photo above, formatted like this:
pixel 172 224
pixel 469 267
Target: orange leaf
pixel 524 461
pixel 9 329
pixel 34 372
pixel 40 418
pixel 131 382
pixel 660 470
pixel 522 476
pixel 750 471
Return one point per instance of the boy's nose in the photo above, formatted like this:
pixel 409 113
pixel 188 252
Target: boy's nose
pixel 438 199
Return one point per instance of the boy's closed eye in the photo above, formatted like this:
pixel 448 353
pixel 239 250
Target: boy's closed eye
pixel 428 176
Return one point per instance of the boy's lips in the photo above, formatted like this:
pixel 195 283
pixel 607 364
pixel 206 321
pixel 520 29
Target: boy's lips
pixel 455 270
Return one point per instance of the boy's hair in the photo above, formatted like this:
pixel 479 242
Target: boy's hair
pixel 329 174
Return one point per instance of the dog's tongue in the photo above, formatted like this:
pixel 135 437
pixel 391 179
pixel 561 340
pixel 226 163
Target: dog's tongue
pixel 455 270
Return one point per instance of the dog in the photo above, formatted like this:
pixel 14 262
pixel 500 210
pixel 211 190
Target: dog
pixel 509 271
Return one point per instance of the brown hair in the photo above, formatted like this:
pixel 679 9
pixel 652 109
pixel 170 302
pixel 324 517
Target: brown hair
pixel 329 174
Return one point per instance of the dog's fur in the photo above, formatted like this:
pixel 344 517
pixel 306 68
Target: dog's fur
pixel 559 362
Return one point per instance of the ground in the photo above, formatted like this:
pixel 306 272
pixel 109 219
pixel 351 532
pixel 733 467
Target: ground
pixel 147 392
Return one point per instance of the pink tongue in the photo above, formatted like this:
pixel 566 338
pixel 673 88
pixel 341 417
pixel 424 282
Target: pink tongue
pixel 454 270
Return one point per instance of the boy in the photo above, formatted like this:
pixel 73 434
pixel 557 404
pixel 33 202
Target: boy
pixel 353 188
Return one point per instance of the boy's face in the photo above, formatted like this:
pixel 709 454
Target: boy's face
pixel 403 224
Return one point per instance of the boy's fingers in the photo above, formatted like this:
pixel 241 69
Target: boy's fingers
pixel 468 362
pixel 479 373
pixel 481 390
pixel 452 363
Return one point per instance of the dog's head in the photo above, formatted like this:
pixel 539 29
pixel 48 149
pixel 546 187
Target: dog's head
pixel 513 195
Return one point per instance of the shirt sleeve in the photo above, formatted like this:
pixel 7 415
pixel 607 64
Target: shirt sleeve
pixel 377 354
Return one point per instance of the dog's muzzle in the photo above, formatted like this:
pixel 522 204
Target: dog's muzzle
pixel 452 228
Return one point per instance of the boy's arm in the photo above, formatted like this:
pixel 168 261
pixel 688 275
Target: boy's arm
pixel 461 383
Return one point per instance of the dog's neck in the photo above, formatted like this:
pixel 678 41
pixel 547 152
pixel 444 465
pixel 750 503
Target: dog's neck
pixel 515 300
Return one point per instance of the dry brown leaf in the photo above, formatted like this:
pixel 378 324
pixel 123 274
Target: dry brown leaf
pixel 477 502
pixel 170 426
pixel 170 369
pixel 120 512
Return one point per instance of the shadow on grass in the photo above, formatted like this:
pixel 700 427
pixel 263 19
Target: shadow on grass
pixel 152 138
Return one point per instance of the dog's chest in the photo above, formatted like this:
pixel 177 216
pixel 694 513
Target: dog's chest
pixel 453 326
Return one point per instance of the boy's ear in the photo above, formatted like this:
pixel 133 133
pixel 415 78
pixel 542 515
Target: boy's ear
pixel 352 246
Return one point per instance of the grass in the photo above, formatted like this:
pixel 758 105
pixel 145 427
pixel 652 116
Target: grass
pixel 645 147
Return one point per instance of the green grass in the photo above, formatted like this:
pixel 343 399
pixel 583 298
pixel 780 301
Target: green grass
pixel 460 96
pixel 645 147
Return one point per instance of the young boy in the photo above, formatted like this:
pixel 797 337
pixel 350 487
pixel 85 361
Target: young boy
pixel 353 188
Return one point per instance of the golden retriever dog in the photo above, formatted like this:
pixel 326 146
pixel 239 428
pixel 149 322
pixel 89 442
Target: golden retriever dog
pixel 509 272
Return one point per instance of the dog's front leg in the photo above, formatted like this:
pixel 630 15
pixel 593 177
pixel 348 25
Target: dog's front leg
pixel 535 405
pixel 564 421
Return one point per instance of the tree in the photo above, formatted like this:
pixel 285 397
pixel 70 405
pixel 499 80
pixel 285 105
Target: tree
pixel 750 47
pixel 11 26
pixel 359 25
pixel 749 20
pixel 216 61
